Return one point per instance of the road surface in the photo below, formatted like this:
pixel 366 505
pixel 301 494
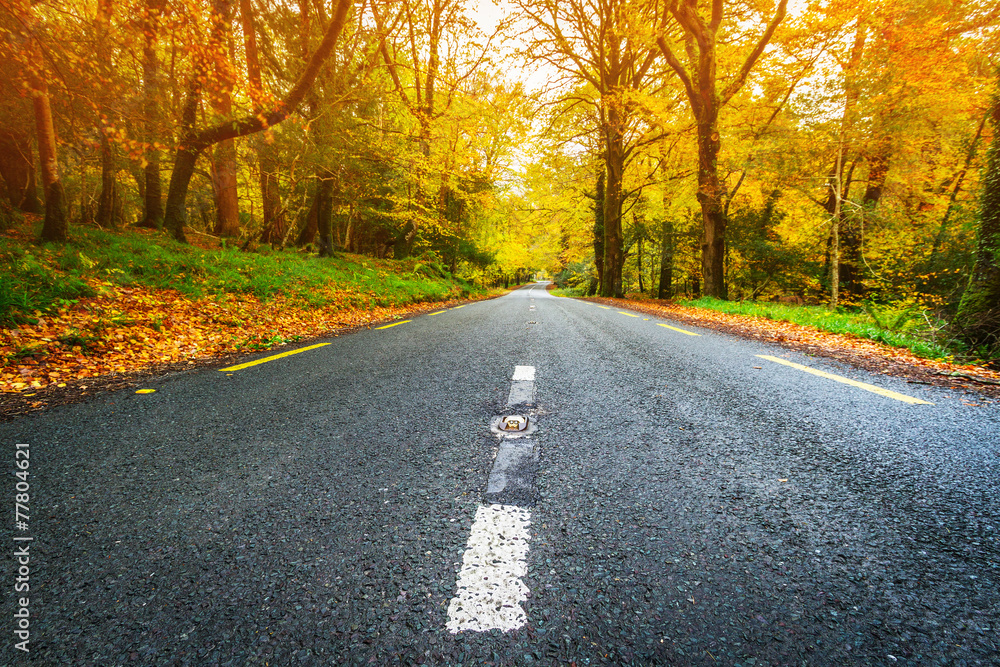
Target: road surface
pixel 680 496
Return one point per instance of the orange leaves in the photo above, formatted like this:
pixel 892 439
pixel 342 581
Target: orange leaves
pixel 861 352
pixel 131 328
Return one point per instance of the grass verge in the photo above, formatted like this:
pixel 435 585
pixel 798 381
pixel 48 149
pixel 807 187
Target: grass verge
pixel 110 304
pixel 901 326
pixel 41 279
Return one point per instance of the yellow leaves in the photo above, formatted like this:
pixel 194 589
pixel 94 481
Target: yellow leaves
pixel 128 329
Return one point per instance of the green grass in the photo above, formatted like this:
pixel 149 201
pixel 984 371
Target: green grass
pixel 570 291
pixel 43 278
pixel 899 326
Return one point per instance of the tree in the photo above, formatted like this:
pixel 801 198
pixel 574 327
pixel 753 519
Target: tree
pixel 194 141
pixel 700 79
pixel 979 311
pixel 152 209
pixel 603 49
pixel 223 162
pixel 273 215
pixel 56 226
pixel 17 167
pixel 421 48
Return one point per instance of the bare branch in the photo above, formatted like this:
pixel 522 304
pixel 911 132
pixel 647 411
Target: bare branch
pixel 741 77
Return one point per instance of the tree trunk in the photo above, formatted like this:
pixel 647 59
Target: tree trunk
pixel 274 218
pixel 835 228
pixel 109 185
pixel 710 196
pixel 308 232
pixel 642 287
pixel 611 286
pixel 324 214
pixel 180 177
pixel 227 207
pixel 851 226
pixel 56 226
pixel 665 290
pixel 274 215
pixel 978 315
pixel 152 197
pixel 840 185
pixel 599 223
pixel 17 166
pixel 223 164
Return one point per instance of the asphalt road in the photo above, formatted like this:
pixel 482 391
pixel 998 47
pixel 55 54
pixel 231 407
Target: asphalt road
pixel 690 503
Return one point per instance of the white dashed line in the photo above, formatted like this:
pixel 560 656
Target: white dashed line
pixel 490 590
pixel 522 386
pixel 524 373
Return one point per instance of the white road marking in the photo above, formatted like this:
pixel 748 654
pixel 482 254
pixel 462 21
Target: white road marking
pixel 524 373
pixel 490 589
pixel 522 386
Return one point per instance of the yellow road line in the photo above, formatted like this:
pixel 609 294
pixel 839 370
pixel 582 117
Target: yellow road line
pixel 627 314
pixel 462 306
pixel 240 367
pixel 854 383
pixel 689 333
pixel 394 324
pixel 604 307
pixel 438 312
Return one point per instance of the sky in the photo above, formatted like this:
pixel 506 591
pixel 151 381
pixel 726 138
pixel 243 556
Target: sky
pixel 488 13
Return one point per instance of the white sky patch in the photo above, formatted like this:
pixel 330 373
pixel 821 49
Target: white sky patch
pixel 489 589
pixel 487 14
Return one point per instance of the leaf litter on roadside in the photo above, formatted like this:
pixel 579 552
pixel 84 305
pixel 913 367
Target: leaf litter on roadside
pixel 126 329
pixel 863 353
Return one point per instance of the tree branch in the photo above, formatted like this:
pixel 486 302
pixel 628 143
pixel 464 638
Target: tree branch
pixel 758 49
pixel 263 120
pixel 678 68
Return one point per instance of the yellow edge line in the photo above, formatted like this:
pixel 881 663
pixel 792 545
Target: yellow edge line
pixel 604 307
pixel 271 358
pixel 689 333
pixel 394 324
pixel 854 383
pixel 438 312
pixel 627 314
pixel 462 306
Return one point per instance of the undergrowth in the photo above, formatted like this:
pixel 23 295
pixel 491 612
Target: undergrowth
pixel 40 279
pixel 902 325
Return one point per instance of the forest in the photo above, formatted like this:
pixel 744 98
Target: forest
pixel 831 153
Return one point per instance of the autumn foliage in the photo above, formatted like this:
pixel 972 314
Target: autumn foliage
pixel 126 329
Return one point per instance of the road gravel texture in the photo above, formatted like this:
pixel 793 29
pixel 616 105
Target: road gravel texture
pixel 695 505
